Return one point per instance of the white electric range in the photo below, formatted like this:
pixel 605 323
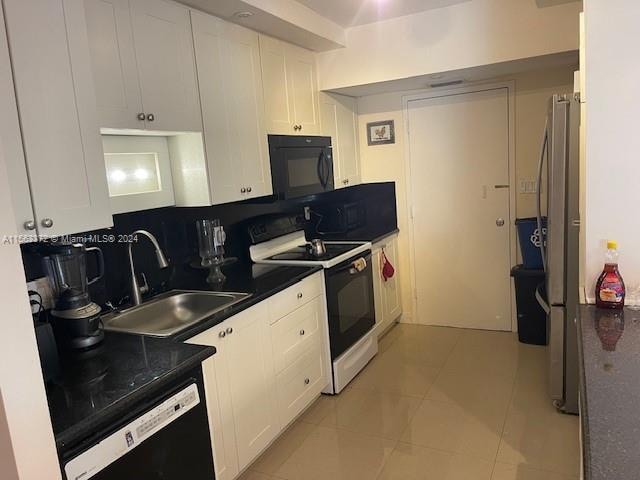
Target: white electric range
pixel 349 289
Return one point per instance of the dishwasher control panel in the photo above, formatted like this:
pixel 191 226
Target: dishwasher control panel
pixel 125 439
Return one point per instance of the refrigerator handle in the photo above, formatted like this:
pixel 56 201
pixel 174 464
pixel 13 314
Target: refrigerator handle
pixel 543 150
pixel 541 301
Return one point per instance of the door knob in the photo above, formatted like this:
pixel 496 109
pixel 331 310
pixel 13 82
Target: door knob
pixel 500 222
pixel 47 223
pixel 141 116
pixel 29 225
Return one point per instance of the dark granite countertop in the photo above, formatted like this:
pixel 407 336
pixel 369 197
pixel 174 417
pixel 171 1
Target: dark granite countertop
pixel 261 281
pixel 97 386
pixel 609 350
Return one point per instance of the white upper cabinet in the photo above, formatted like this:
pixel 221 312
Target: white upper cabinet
pixel 230 83
pixel 143 65
pixel 56 100
pixel 11 142
pixel 113 62
pixel 340 122
pixel 290 88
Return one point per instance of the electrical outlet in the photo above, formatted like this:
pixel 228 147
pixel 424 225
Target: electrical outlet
pixel 41 285
pixel 528 186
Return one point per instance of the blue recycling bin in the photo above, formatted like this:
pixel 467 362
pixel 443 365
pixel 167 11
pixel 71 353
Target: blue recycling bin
pixel 530 238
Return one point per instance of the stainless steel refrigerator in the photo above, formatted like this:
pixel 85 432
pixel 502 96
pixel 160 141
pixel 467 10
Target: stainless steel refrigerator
pixel 560 165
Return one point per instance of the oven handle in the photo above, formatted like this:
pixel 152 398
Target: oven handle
pixel 352 268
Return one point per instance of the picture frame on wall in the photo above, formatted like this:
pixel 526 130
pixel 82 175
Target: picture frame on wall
pixel 381 133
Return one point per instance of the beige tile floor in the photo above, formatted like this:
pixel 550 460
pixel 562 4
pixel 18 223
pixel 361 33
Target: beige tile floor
pixel 438 404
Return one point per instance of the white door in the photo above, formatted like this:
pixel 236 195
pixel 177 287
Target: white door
pixel 113 62
pixel 56 102
pixel 459 151
pixel 303 89
pixel 251 382
pixel 166 65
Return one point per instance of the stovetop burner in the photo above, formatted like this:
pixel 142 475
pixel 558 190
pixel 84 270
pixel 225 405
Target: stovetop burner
pixel 302 253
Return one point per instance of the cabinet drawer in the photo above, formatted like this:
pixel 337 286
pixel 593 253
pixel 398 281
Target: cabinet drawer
pixel 295 334
pixel 301 383
pixel 295 296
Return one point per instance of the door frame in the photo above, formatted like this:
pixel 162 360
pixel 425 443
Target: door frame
pixel 509 85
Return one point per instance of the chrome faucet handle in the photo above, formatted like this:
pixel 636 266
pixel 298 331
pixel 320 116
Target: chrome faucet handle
pixel 144 288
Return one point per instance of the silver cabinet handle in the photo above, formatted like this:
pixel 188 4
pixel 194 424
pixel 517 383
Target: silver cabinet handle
pixel 222 334
pixel 141 117
pixel 500 222
pixel 249 189
pixel 229 331
pixel 29 225
pixel 243 190
pixel 306 381
pixel 501 186
pixel 299 294
pixel 302 332
pixel 151 117
pixel 47 223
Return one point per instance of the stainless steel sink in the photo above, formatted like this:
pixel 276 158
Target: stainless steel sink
pixel 171 312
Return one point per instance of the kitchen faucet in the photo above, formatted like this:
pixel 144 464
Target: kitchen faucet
pixel 136 290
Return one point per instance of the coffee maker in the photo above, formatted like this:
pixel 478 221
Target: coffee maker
pixel 75 318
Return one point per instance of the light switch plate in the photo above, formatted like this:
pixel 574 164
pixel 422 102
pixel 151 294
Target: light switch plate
pixel 527 186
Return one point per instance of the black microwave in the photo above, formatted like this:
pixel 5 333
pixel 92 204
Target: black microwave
pixel 300 165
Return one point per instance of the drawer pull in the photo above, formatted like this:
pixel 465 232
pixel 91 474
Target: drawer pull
pixel 306 381
pixel 302 332
pixel 229 331
pixel 299 294
pixel 222 334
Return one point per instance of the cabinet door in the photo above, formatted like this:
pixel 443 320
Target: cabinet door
pixel 279 112
pixel 56 101
pixel 219 409
pixel 378 296
pixel 11 142
pixel 251 382
pixel 391 288
pixel 230 79
pixel 113 62
pixel 303 89
pixel 339 121
pixel 166 65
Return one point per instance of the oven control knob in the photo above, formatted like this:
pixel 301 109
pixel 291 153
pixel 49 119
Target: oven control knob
pixel 302 332
pixel 299 295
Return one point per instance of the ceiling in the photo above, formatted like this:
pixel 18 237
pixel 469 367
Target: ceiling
pixel 358 12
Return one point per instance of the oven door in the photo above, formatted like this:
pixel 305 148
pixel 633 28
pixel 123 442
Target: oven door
pixel 299 168
pixel 350 302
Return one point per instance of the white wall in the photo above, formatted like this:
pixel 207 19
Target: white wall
pixel 480 32
pixel 612 72
pixel 387 162
pixel 26 424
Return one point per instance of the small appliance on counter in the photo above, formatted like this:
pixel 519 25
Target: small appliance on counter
pixel 75 318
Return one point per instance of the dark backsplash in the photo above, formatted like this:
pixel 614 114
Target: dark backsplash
pixel 174 227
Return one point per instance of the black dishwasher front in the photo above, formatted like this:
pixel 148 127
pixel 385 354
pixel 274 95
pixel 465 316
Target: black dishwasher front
pixel 166 437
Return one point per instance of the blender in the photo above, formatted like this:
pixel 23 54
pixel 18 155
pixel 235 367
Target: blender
pixel 75 318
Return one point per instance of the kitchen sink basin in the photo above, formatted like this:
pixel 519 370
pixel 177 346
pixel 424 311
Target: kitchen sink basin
pixel 171 312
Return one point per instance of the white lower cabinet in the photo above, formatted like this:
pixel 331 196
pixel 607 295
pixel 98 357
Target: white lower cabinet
pixel 263 375
pixel 388 300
